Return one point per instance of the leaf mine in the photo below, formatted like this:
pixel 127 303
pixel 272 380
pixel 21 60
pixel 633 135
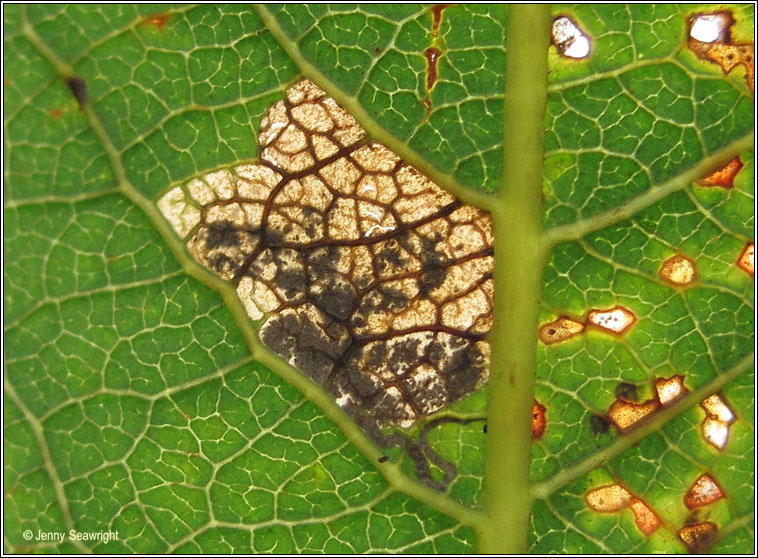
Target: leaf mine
pixel 710 39
pixel 705 491
pixel 747 258
pixel 671 389
pixel 678 270
pixel 368 277
pixel 616 320
pixel 698 536
pixel 614 498
pixel 717 421
pixel 539 421
pixel 723 177
pixel 626 413
pixel 570 41
pixel 560 330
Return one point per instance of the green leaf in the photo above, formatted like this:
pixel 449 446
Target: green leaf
pixel 145 411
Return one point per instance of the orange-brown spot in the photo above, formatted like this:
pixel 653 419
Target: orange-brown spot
pixel 559 330
pixel 538 420
pixel 56 113
pixel 646 520
pixel 747 258
pixel 698 536
pixel 705 491
pixel 670 389
pixel 723 177
pixel 611 498
pixel 719 48
pixel 626 415
pixel 616 320
pixel 716 423
pixel 159 20
pixel 678 270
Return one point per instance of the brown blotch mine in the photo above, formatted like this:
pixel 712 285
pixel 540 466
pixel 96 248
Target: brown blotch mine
pixel 705 491
pixel 539 420
pixel 698 536
pixel 747 259
pixel 562 329
pixel 158 20
pixel 616 320
pixel 646 520
pixel 722 51
pixel 614 498
pixel 678 270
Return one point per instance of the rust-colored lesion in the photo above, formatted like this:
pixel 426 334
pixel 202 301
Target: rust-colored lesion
pixel 746 261
pixel 723 177
pixel 367 276
pixel 433 54
pixel 703 492
pixel 539 420
pixel 614 498
pixel 158 20
pixel 721 49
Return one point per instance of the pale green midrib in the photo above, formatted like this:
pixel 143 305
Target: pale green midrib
pixel 47 460
pixel 519 265
pixel 391 472
pixel 583 227
pixel 545 488
pixel 372 127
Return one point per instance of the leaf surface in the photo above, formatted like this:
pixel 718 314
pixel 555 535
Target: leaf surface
pixel 138 395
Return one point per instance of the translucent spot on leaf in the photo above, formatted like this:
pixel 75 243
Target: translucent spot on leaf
pixel 370 279
pixel 723 177
pixel 710 40
pixel 709 28
pixel 705 491
pixel 182 215
pixel 718 418
pixel 698 536
pixel 538 420
pixel 671 389
pixel 646 520
pixel 747 258
pixel 626 415
pixel 609 498
pixel 560 330
pixel 617 320
pixel 569 39
pixel 678 270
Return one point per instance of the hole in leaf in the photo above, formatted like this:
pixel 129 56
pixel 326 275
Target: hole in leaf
pixel 569 39
pixel 747 258
pixel 560 330
pixel 617 320
pixel 678 270
pixel 698 536
pixel 539 420
pixel 705 491
pixel 646 520
pixel 370 278
pixel 716 423
pixel 723 177
pixel 711 28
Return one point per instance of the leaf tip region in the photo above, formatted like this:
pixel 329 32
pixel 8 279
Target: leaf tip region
pixel 710 40
pixel 539 420
pixel 614 498
pixel 698 536
pixel 703 492
pixel 719 417
pixel 569 39
pixel 678 270
pixel 746 261
pixel 722 177
pixel 78 88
